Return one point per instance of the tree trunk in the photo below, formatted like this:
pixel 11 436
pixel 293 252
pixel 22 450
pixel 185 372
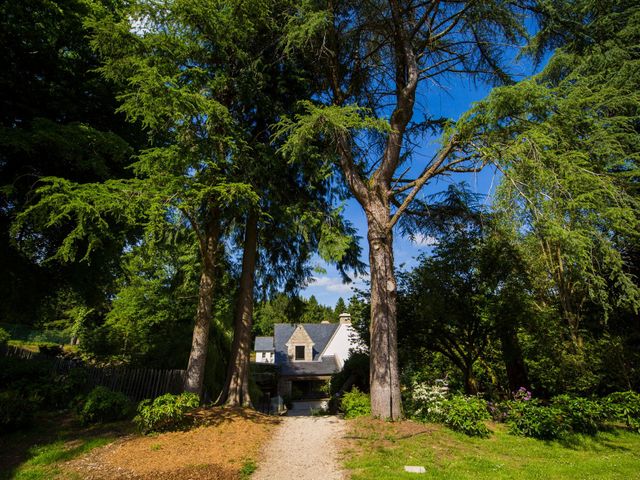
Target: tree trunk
pixel 210 244
pixel 513 360
pixel 384 377
pixel 236 390
pixel 470 382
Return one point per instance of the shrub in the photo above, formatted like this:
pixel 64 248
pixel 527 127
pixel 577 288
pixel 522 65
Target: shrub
pixel 466 415
pixel 104 405
pixel 4 337
pixel 16 410
pixel 355 404
pixel 166 412
pixel 532 419
pixel 50 349
pixel 580 414
pixel 17 370
pixel 426 401
pixel 623 407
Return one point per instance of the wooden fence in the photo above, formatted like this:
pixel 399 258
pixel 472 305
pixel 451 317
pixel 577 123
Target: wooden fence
pixel 136 383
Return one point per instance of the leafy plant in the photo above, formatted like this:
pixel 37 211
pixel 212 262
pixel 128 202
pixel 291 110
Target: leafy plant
pixel 427 400
pixel 16 410
pixel 532 419
pixel 104 405
pixel 355 404
pixel 166 412
pixel 581 414
pixel 50 349
pixel 4 337
pixel 466 415
pixel 623 407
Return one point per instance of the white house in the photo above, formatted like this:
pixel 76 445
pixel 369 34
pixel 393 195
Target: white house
pixel 265 351
pixel 307 354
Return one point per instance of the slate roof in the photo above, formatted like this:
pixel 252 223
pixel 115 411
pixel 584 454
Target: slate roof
pixel 264 344
pixel 320 333
pixel 327 366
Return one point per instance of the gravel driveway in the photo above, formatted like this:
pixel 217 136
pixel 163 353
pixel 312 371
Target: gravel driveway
pixel 303 448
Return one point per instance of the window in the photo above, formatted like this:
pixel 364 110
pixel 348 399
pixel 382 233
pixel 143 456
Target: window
pixel 299 352
pixel 264 355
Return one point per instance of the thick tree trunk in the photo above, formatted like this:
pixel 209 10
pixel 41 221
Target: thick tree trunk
pixel 385 379
pixel 210 244
pixel 236 390
pixel 470 381
pixel 513 360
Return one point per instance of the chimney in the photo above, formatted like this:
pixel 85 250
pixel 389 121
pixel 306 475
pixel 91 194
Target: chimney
pixel 345 318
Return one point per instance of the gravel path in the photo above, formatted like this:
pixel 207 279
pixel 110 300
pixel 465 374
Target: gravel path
pixel 303 448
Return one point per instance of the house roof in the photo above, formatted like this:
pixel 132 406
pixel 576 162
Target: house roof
pixel 320 334
pixel 326 366
pixel 263 344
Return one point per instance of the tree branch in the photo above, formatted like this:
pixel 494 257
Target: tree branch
pixel 426 175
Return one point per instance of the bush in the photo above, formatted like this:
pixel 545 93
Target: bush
pixel 16 410
pixel 166 412
pixel 17 370
pixel 4 337
pixel 427 400
pixel 50 349
pixel 466 415
pixel 623 407
pixel 104 405
pixel 355 404
pixel 532 419
pixel 355 367
pixel 580 414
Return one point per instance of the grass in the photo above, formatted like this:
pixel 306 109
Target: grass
pixel 247 469
pixel 36 453
pixel 44 459
pixel 380 451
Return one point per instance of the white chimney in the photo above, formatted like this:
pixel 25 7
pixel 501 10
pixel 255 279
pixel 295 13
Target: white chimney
pixel 345 318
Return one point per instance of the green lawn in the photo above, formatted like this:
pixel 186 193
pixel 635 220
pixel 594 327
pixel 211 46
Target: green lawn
pixel 37 452
pixel 380 450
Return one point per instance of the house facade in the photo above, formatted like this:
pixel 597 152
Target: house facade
pixel 265 351
pixel 307 354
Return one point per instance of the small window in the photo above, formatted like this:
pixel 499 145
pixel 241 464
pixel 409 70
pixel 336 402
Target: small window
pixel 264 355
pixel 299 352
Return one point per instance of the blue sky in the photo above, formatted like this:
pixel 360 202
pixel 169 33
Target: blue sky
pixel 449 100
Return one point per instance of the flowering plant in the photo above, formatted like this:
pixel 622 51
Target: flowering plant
pixel 521 395
pixel 429 399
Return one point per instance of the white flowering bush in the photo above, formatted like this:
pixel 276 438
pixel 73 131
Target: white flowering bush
pixel 428 399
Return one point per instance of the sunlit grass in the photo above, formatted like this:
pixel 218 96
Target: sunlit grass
pixel 380 451
pixel 44 459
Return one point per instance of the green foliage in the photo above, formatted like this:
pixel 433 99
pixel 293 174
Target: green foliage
pixel 581 414
pixel 166 412
pixel 247 469
pixel 623 407
pixel 355 404
pixel 50 349
pixel 16 410
pixel 331 122
pixel 533 419
pixel 357 365
pixel 4 337
pixel 465 414
pixel 104 405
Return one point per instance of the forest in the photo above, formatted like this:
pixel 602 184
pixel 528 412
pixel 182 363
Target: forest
pixel 173 171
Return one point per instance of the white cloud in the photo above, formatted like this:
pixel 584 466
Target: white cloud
pixel 331 284
pixel 422 240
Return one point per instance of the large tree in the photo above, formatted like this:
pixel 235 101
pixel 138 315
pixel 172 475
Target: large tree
pixel 57 118
pixel 379 61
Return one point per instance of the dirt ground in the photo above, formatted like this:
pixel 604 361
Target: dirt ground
pixel 217 451
pixel 304 448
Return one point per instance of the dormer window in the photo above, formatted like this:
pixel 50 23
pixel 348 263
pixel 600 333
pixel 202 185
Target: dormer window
pixel 299 352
